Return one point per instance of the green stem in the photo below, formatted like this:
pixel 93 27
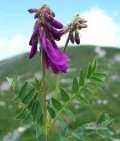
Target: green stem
pixel 67 42
pixel 44 92
pixel 69 136
pixel 64 106
pixel 59 74
pixel 57 85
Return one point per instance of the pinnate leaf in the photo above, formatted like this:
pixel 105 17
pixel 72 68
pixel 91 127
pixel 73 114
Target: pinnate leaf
pixel 64 95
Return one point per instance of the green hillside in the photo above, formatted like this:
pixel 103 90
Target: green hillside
pixel 108 101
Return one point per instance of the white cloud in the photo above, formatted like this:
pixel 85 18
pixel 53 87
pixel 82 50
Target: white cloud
pixel 102 31
pixel 13 46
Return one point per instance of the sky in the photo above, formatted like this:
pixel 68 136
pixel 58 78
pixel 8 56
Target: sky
pixel 16 24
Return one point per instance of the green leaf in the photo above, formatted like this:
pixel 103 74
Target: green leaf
pixel 99 74
pixel 62 122
pixel 104 133
pixel 36 111
pixel 35 97
pixel 27 119
pixel 63 131
pixel 79 135
pixel 86 91
pixel 38 82
pixel 89 71
pixel 112 130
pixel 82 99
pixel 94 65
pixel 64 95
pixel 111 123
pixel 27 99
pixel 51 112
pixel 101 118
pixel 42 137
pixel 70 114
pixel 30 105
pixel 38 130
pixel 56 104
pixel 107 117
pixel 64 139
pixel 94 86
pixel 75 85
pixel 81 78
pixel 39 133
pixel 23 90
pixel 9 80
pixel 22 114
pixel 15 84
pixel 96 80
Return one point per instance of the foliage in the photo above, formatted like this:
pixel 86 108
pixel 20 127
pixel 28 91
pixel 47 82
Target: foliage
pixel 30 96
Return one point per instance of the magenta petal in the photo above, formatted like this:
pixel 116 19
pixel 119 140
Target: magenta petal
pixel 34 35
pixel 47 16
pixel 48 26
pixel 54 44
pixel 56 24
pixel 56 56
pixel 33 49
pixel 56 34
pixel 62 68
pixel 43 39
pixel 48 62
pixel 54 68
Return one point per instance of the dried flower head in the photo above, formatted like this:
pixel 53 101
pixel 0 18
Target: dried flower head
pixel 77 24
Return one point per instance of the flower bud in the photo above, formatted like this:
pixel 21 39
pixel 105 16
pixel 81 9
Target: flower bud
pixel 32 10
pixel 36 15
pixel 77 37
pixel 56 24
pixel 82 26
pixel 72 38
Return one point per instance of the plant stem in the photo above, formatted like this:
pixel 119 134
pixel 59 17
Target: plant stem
pixel 57 85
pixel 59 74
pixel 44 92
pixel 67 42
pixel 62 109
pixel 64 106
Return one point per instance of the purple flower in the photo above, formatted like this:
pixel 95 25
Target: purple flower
pixel 56 24
pixel 33 49
pixel 45 32
pixel 43 39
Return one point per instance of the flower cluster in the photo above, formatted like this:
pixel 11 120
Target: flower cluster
pixel 46 32
pixel 74 27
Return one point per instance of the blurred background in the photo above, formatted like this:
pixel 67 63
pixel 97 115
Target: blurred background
pixel 100 39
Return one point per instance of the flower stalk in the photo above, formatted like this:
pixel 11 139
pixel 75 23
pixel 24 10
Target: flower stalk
pixel 59 74
pixel 44 92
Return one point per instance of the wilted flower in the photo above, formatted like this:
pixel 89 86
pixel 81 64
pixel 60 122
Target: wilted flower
pixel 77 24
pixel 45 32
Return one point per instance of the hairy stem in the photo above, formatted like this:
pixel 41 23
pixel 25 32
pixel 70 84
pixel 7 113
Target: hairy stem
pixel 44 92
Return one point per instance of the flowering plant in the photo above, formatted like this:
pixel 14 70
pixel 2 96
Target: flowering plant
pixel 42 112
